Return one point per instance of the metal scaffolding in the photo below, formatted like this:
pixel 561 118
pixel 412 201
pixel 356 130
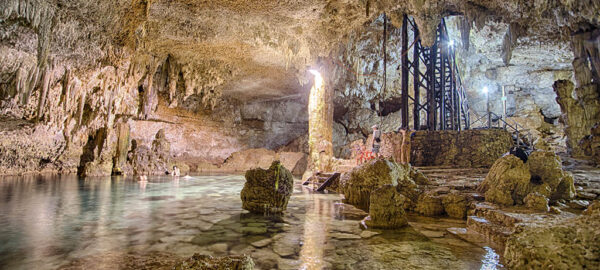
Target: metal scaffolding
pixel 434 71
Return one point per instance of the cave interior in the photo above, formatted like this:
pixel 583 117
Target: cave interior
pixel 285 134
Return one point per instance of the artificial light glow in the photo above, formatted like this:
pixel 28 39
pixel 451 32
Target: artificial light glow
pixel 485 90
pixel 451 43
pixel 314 72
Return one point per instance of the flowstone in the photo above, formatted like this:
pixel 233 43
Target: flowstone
pixel 267 191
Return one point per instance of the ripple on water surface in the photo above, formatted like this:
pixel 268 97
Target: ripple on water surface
pixel 49 222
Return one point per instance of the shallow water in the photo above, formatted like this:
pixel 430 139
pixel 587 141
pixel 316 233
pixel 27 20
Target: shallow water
pixel 49 221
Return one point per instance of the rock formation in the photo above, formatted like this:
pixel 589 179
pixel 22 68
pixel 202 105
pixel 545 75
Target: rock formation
pixel 568 244
pixel 541 178
pixel 267 191
pixel 205 262
pixel 386 209
pixel 150 161
pixel 358 184
pixel 387 190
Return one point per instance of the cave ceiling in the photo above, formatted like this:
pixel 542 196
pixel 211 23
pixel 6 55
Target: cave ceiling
pixel 262 48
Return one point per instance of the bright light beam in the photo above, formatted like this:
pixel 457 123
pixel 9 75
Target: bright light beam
pixel 451 43
pixel 314 72
pixel 485 90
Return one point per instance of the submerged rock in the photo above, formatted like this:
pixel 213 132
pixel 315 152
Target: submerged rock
pixel 267 191
pixel 569 244
pixel 386 209
pixel 205 262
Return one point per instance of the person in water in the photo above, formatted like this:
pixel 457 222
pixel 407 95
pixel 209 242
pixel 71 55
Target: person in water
pixel 176 171
pixel 376 140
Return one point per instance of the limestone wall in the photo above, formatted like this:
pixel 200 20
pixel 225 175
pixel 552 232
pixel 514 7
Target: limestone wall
pixel 471 148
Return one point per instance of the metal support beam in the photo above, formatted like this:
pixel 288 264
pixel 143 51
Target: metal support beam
pixel 405 71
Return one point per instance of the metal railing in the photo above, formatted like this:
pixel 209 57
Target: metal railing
pixel 522 136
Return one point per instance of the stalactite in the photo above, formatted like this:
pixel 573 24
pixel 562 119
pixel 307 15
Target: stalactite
pixel 66 89
pixel 32 81
pixel 44 92
pixel 510 42
pixel 81 107
pixel 583 73
pixel 592 47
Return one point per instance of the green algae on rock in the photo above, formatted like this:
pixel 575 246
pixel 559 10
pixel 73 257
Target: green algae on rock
pixel 267 191
pixel 205 262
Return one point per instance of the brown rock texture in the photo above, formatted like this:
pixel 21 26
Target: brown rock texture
pixel 386 209
pixel 358 184
pixel 580 114
pixel 430 204
pixel 469 148
pixel 205 262
pixel 510 180
pixel 455 205
pixel 507 182
pixel 568 244
pixel 267 191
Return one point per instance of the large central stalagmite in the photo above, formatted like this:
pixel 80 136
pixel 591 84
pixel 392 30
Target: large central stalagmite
pixel 320 125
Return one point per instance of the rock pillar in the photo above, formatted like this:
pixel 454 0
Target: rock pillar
pixel 320 125
pixel 580 104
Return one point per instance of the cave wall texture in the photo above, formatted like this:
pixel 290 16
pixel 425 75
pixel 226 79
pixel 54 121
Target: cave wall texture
pixel 224 76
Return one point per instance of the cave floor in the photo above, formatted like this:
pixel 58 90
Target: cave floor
pixel 107 223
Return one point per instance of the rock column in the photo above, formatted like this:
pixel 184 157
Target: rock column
pixel 580 104
pixel 320 125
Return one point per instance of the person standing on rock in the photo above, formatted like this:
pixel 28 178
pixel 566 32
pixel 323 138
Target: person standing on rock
pixel 376 140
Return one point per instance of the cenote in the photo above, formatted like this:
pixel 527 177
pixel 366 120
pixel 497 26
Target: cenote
pixel 49 222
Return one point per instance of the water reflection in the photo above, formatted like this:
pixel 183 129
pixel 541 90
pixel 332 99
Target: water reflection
pixel 316 228
pixel 46 222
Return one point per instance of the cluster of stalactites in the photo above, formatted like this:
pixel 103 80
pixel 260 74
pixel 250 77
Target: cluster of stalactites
pixel 39 15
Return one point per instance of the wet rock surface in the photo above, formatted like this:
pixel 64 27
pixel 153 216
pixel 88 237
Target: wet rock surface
pixel 205 262
pixel 267 191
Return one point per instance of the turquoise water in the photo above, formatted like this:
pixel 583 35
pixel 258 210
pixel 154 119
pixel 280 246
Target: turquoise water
pixel 49 221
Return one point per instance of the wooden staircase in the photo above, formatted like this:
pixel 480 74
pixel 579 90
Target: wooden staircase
pixel 322 180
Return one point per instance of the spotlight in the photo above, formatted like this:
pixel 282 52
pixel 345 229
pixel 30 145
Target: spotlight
pixel 451 43
pixel 314 72
pixel 485 90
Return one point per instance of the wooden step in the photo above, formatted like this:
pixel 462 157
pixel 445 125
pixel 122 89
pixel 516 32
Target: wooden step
pixel 329 182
